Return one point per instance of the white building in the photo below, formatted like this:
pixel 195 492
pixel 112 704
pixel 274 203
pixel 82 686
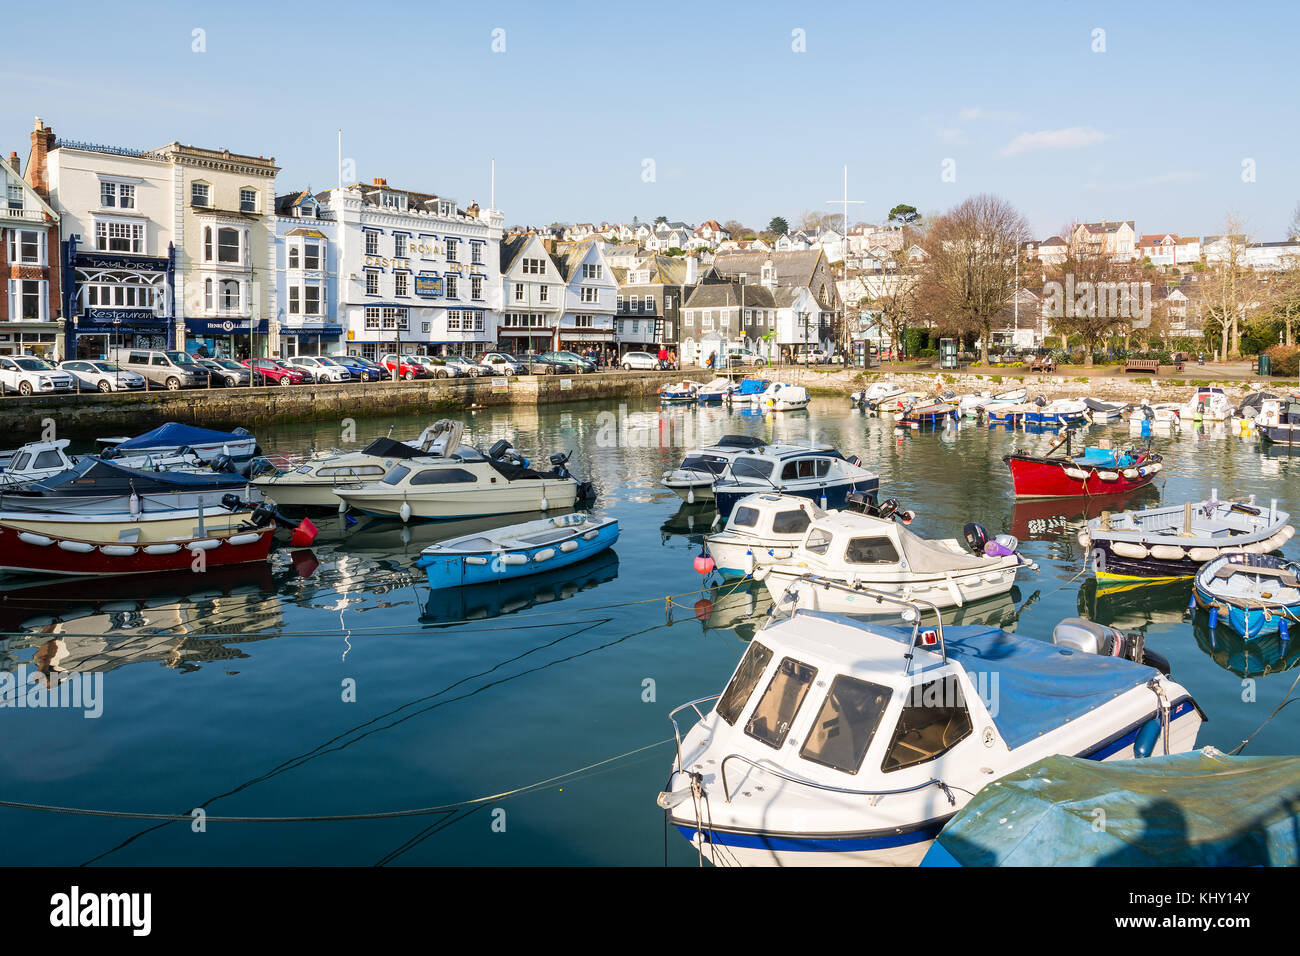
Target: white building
pixel 306 276
pixel 533 298
pixel 590 295
pixel 415 271
pixel 30 313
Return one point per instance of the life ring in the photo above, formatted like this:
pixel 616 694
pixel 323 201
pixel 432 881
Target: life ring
pixel 1167 552
pixel 1129 549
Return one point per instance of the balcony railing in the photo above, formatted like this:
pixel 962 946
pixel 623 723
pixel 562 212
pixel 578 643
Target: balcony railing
pixel 26 215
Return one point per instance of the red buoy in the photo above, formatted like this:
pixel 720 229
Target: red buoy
pixel 304 534
pixel 703 564
pixel 703 608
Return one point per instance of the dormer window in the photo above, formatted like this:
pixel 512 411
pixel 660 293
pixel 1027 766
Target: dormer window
pixel 446 209
pixel 393 200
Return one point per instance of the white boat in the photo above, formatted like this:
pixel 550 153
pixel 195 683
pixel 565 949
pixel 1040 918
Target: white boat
pixel 38 460
pixel 715 391
pixel 762 529
pixel 875 393
pixel 465 483
pixel 1013 396
pixel 1209 404
pixel 693 479
pixel 1060 411
pixel 314 483
pixel 821 474
pixel 840 741
pixel 1163 417
pixel 1102 412
pixel 174 437
pixel 781 397
pixel 862 547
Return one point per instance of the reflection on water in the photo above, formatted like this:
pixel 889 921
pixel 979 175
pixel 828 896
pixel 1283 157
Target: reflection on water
pixel 476 602
pixel 1129 606
pixel 1257 657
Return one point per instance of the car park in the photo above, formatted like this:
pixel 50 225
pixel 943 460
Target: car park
pixel 170 370
pixel 99 375
pixel 268 371
pixel 504 363
pixel 638 360
pixel 361 368
pixel 436 367
pixel 29 375
pixel 570 362
pixel 321 368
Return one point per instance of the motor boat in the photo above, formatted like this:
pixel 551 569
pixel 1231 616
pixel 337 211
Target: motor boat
pixel 1250 405
pixel 898 404
pixel 1098 471
pixel 1101 412
pixel 862 548
pixel 839 740
pixel 516 551
pixel 1009 413
pixel 1197 809
pixel 1174 541
pixel 1209 404
pixel 762 529
pixel 693 479
pixel 99 486
pixel 748 390
pixel 1060 411
pixel 38 460
pixel 171 438
pixel 715 392
pixel 464 483
pixel 1146 418
pixel 875 393
pixel 927 414
pixel 819 473
pixel 1255 594
pixel 313 483
pixel 679 393
pixel 1014 396
pixel 781 397
pixel 1279 421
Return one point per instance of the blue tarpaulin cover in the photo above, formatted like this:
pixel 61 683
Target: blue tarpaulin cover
pixel 1194 809
pixel 174 434
pixel 1105 456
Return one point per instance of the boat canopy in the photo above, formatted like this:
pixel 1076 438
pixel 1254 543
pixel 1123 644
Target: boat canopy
pixel 1193 809
pixel 95 476
pixel 176 435
pixel 391 448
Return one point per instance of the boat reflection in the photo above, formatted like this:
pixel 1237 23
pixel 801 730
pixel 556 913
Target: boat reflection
pixel 1049 519
pixel 1127 605
pixel 479 602
pixel 737 606
pixel 1258 657
pixel 691 521
pixel 178 620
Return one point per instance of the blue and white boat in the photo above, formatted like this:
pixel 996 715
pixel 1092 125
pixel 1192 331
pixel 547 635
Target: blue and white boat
pixel 748 390
pixel 517 550
pixel 1062 411
pixel 842 741
pixel 679 393
pixel 693 479
pixel 171 438
pixel 1256 594
pixel 819 473
pixel 714 392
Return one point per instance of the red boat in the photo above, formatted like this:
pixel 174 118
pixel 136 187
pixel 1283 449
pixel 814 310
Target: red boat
pixel 1098 471
pixel 28 551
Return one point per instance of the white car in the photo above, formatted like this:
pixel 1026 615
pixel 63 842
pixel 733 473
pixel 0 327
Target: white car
pixel 28 375
pixel 101 376
pixel 815 357
pixel 503 363
pixel 744 357
pixel 638 360
pixel 321 368
pixel 468 366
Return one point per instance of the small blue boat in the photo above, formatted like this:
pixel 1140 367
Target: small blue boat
pixel 1203 808
pixel 1256 594
pixel 749 389
pixel 170 438
pixel 517 550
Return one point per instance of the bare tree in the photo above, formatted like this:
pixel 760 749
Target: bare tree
pixel 1228 289
pixel 1088 294
pixel 970 274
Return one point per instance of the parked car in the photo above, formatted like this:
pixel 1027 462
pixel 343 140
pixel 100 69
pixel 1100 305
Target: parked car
pixel 540 365
pixel 29 375
pixel 738 356
pixel 170 370
pixel 267 371
pixel 439 367
pixel 226 373
pixel 814 356
pixel 503 363
pixel 639 360
pixel 406 367
pixel 468 366
pixel 101 376
pixel 570 362
pixel 321 368
pixel 361 368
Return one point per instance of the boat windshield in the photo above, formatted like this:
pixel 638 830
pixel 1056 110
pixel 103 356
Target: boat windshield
pixel 846 723
pixel 933 721
pixel 396 475
pixel 744 518
pixel 743 682
pixel 780 703
pixel 752 468
pixel 710 463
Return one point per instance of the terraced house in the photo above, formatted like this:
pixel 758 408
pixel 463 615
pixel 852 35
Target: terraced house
pixel 306 273
pixel 416 271
pixel 649 302
pixel 590 294
pixel 533 295
pixel 30 312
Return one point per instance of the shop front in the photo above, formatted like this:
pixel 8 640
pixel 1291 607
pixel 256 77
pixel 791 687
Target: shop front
pixel 41 339
pixel 99 333
pixel 315 339
pixel 117 301
pixel 236 339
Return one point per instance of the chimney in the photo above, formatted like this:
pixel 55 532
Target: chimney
pixel 37 167
pixel 379 182
pixel 692 270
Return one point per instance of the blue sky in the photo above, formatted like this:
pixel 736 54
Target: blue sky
pixel 1155 128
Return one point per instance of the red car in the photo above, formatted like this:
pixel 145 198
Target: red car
pixel 408 370
pixel 272 372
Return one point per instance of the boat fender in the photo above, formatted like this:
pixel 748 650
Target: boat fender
pixel 207 544
pixel 1108 475
pixel 161 548
pixel 1078 474
pixel 749 562
pixel 117 550
pixel 1085 539
pixel 589 535
pixel 1130 473
pixel 1167 552
pixel 476 559
pixel 1201 555
pixel 513 559
pixel 544 555
pixel 1287 533
pixel 1155 467
pixel 405 511
pixel 1128 549
pixel 1147 738
pixel 78 547
pixel 37 539
pixel 568 546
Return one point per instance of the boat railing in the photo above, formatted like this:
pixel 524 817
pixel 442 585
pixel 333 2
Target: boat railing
pixel 672 717
pixel 915 605
pixel 802 781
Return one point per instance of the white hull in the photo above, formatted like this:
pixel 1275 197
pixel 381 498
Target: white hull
pixel 953 589
pixel 515 498
pixel 688 491
pixel 287 493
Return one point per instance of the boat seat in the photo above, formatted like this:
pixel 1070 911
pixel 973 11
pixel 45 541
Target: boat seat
pixel 547 537
pixel 1285 576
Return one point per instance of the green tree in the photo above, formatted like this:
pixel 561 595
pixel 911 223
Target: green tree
pixel 904 215
pixel 659 219
pixel 778 225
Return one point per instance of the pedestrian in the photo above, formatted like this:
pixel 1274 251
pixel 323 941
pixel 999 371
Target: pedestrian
pixel 713 357
pixel 663 357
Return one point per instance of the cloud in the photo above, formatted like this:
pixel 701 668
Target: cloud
pixel 973 113
pixel 1076 137
pixel 951 135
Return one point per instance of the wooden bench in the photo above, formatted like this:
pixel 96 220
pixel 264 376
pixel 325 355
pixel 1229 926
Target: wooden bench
pixel 1043 363
pixel 1142 365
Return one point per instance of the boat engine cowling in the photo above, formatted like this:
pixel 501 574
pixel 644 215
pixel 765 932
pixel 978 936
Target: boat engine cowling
pixel 1089 637
pixel 1001 546
pixel 861 502
pixel 977 538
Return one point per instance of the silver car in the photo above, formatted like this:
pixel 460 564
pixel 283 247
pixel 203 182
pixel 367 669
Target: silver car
pixel 98 375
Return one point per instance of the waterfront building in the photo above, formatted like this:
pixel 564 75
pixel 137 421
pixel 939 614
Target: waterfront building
pixel 30 309
pixel 306 276
pixel 649 303
pixel 590 293
pixel 533 295
pixel 416 272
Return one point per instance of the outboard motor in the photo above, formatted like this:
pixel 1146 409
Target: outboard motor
pixel 1089 637
pixel 260 466
pixel 887 508
pixel 977 538
pixel 1041 401
pixel 558 462
pixel 304 531
pixel 861 502
pixel 499 448
pixel 223 464
pixel 1001 546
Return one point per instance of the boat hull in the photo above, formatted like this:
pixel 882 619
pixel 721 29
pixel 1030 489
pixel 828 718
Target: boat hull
pixel 953 589
pixel 20 555
pixel 118 529
pixel 516 498
pixel 454 570
pixel 836 495
pixel 1033 477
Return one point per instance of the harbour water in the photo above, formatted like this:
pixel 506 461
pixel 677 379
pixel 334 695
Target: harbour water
pixel 529 720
